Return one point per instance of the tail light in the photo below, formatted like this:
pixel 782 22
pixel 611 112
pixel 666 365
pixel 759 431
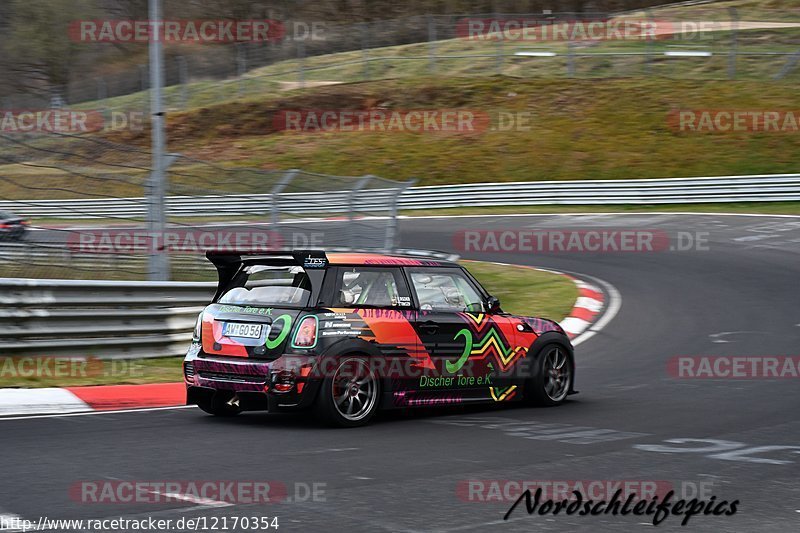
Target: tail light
pixel 198 328
pixel 4 226
pixel 306 334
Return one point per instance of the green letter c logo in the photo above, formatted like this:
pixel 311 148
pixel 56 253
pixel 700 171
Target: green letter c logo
pixel 286 323
pixel 455 367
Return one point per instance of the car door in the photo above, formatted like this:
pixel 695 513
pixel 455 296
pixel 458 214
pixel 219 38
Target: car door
pixel 469 347
pixel 373 304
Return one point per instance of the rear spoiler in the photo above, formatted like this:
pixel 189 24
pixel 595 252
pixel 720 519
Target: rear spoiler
pixel 229 264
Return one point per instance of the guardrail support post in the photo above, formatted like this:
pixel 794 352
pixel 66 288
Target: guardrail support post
pixel 351 205
pixel 274 207
pixel 391 228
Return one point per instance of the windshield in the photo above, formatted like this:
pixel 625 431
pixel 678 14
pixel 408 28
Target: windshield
pixel 269 286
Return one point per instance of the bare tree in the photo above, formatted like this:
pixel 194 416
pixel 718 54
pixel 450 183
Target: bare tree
pixel 39 43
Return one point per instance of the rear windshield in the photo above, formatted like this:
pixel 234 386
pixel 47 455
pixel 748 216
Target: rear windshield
pixel 269 286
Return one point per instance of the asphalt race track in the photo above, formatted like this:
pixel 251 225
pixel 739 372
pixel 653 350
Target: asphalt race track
pixel 405 472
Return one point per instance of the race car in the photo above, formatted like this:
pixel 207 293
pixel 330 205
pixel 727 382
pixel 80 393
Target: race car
pixel 12 227
pixel 348 334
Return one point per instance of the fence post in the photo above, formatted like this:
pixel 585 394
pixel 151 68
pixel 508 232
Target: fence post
pixel 301 58
pixel 789 66
pixel 102 90
pixel 498 50
pixel 241 66
pixel 649 54
pixel 183 80
pixel 144 86
pixel 571 51
pixel 734 42
pixel 431 44
pixel 365 48
pixel 570 59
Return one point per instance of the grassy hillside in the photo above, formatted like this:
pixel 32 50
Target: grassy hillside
pixel 609 122
pixel 607 129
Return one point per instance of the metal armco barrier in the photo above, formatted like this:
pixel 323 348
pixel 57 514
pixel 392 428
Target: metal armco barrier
pixel 755 188
pixel 103 319
pixel 106 319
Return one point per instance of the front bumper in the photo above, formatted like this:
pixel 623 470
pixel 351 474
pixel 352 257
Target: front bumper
pixel 274 385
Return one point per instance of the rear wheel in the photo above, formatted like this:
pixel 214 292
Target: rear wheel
pixel 553 381
pixel 218 405
pixel 350 396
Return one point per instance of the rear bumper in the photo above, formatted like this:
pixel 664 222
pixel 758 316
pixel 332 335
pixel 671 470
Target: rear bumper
pixel 14 232
pixel 252 381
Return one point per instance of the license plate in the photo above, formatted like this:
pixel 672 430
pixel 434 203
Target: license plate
pixel 248 331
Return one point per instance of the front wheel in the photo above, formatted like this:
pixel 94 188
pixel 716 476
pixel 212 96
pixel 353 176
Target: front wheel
pixel 349 397
pixel 553 380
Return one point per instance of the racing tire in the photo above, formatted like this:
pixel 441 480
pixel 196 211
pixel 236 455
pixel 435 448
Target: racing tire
pixel 552 382
pixel 350 396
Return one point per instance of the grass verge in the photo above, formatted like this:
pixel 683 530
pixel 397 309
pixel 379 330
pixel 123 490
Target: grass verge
pixel 525 291
pixel 94 372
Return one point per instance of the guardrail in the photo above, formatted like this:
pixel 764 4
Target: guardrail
pixel 40 260
pixel 104 319
pixel 753 188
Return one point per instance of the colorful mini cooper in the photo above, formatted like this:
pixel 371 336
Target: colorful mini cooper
pixel 346 334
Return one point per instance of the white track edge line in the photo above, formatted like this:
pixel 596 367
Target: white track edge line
pixel 91 413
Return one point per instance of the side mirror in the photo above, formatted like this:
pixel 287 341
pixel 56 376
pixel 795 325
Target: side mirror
pixel 492 304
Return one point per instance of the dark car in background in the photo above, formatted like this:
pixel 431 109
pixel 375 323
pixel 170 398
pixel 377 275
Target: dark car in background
pixel 346 334
pixel 12 227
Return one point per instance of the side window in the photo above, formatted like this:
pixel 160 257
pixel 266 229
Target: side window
pixel 370 287
pixel 445 290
